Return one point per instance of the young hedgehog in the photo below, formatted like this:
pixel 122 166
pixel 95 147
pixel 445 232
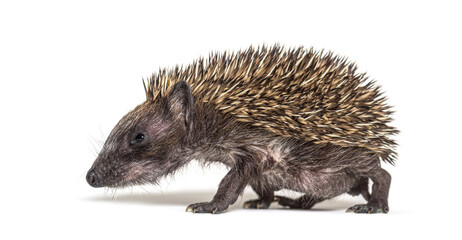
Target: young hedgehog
pixel 279 119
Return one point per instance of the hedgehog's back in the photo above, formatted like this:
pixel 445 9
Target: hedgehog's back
pixel 298 93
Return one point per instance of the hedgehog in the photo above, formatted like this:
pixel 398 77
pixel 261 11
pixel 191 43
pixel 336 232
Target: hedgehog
pixel 279 119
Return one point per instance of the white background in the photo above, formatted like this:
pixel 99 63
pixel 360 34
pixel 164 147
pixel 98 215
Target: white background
pixel 70 70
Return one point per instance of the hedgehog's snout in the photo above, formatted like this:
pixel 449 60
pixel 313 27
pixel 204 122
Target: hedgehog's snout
pixel 93 179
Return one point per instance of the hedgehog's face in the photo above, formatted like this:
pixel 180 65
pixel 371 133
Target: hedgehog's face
pixel 139 149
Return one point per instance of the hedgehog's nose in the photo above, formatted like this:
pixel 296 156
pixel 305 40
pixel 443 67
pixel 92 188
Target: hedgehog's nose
pixel 93 179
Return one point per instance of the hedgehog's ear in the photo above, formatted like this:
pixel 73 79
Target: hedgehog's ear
pixel 181 103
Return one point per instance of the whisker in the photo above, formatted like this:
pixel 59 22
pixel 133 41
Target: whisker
pixel 114 194
pixel 94 146
pixel 102 135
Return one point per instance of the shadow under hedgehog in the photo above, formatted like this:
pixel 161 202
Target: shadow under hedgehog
pixel 293 119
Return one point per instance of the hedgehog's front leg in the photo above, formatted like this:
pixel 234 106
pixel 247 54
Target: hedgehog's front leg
pixel 228 191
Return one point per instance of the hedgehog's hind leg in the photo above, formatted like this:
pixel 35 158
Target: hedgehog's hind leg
pixel 265 197
pixel 378 202
pixel 304 202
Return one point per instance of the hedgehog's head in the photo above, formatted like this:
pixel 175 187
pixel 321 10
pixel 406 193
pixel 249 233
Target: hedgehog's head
pixel 140 148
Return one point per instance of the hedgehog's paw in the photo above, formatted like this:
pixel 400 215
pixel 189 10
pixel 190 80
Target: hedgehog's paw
pixel 206 207
pixel 257 204
pixel 364 208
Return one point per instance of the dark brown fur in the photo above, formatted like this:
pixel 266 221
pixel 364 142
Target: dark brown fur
pixel 177 128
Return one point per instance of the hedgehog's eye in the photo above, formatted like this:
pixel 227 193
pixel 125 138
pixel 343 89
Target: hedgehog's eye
pixel 138 138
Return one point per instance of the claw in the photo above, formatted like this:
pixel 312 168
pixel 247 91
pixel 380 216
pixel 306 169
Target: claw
pixel 204 208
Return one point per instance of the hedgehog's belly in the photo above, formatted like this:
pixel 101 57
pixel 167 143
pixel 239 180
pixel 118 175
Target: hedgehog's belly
pixel 324 184
pixel 319 183
pixel 288 170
